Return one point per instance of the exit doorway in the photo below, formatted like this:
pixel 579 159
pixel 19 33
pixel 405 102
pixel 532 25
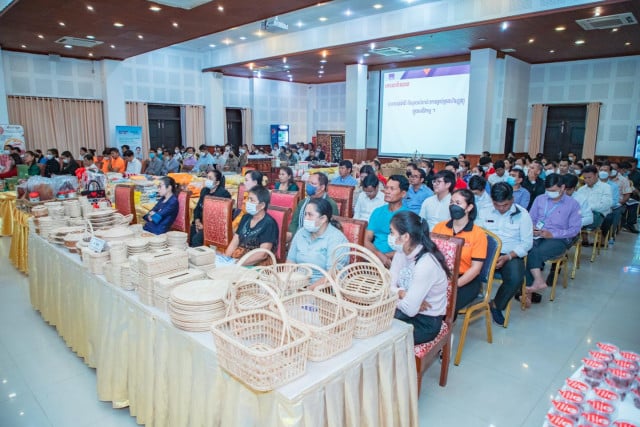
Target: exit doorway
pixel 565 131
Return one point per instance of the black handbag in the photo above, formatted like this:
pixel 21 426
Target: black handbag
pixel 93 191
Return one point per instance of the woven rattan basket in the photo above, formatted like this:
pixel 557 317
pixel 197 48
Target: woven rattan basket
pixel 286 278
pixel 331 322
pixel 262 349
pixel 360 275
pixel 373 318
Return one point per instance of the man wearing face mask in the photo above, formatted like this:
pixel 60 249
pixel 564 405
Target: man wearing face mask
pixel 316 188
pixel 213 186
pixel 556 222
pixel 204 161
pixel 612 217
pixel 629 195
pixel 154 166
pixel 598 194
pixel 520 195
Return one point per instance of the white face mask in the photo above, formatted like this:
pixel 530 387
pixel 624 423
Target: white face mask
pixel 577 171
pixel 209 183
pixel 613 173
pixel 310 225
pixel 252 208
pixel 65 161
pixel 392 242
pixel 49 156
pixel 553 194
pixel 603 174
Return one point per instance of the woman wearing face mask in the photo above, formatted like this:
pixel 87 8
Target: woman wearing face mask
pixel 315 242
pixel 418 274
pixel 164 213
pixel 69 164
pixel 30 160
pixel 257 229
pixel 285 180
pixel 213 186
pixel 463 212
pixel 252 178
pixel 189 160
pixel 52 166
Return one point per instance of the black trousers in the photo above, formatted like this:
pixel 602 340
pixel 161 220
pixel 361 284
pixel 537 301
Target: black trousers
pixel 425 328
pixel 512 273
pixel 197 237
pixel 468 293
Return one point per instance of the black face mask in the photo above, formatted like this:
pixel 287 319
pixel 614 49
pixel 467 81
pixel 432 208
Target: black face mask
pixel 456 212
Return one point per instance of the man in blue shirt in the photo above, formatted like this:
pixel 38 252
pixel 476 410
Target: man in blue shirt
pixel 380 220
pixel 520 194
pixel 418 191
pixel 204 161
pixel 344 177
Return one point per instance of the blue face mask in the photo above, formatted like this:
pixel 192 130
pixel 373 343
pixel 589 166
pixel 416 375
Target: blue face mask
pixel 152 155
pixel 311 190
pixel 511 180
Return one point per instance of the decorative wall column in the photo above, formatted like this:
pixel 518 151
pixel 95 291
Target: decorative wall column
pixel 356 109
pixel 114 107
pixel 481 90
pixel 4 109
pixel 215 115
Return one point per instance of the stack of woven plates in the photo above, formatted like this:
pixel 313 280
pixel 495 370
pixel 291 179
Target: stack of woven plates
pixel 102 218
pixel 58 234
pixel 72 209
pixel 157 242
pixel 56 210
pixel 195 305
pixel 115 234
pixel 177 240
pixel 47 223
pixel 163 285
pixel 137 246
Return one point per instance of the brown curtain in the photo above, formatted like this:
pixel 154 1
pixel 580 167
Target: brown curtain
pixel 247 127
pixel 138 115
pixel 591 130
pixel 65 124
pixel 538 123
pixel 194 126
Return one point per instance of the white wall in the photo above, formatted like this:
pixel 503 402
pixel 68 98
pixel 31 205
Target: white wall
pixel 612 81
pixel 331 106
pixel 510 102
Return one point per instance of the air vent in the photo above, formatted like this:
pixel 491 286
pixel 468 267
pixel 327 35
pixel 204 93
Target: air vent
pixel 75 41
pixel 606 22
pixel 390 51
pixel 182 4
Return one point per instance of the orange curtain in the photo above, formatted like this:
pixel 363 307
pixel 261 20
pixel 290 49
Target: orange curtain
pixel 65 124
pixel 194 126
pixel 138 115
pixel 591 130
pixel 538 121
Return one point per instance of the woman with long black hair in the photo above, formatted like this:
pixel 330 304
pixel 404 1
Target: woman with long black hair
pixel 164 213
pixel 419 275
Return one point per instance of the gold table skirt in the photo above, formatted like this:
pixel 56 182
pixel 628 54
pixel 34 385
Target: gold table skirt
pixel 7 205
pixel 18 251
pixel 169 377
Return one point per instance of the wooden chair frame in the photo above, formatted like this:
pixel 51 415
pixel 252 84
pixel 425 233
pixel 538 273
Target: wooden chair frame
pixel 281 250
pixel 131 201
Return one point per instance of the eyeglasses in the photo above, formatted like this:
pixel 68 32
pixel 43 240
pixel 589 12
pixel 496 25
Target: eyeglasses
pixel 438 181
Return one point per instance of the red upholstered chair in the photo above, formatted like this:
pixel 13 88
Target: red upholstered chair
pixel 353 229
pixel 240 198
pixel 216 220
pixel 302 186
pixel 124 201
pixel 284 199
pixel 183 220
pixel 282 217
pixel 451 248
pixel 343 196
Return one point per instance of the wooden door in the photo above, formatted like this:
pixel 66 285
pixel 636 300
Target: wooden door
pixel 565 131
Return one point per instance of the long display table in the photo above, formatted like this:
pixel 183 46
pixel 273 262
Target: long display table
pixel 169 377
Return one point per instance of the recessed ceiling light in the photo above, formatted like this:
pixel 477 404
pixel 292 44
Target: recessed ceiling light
pixel 508 50
pixel 377 6
pixel 361 61
pixel 155 8
pixel 243 38
pixel 68 46
pixel 250 65
pixel 212 45
pixel 561 28
pixel 322 67
pixel 320 71
pixel 288 71
pixel 482 39
pixel 112 46
pixel 579 42
pixel 627 44
pixel 61 23
pixel 227 41
pixel 299 24
pixel 140 36
pixel 89 36
pixel 220 8
pixel 284 59
pixel 418 47
pixel 91 54
pixel 118 24
pixel 597 11
pixel 40 36
pixel 372 46
pixel 504 25
pixel 348 12
pixel 552 51
pixel 290 78
pixel 24 46
pixel 175 24
pixel 324 54
pixel 323 61
pixel 90 8
pixel 366 54
pixel 258 33
pixel 532 40
pixel 322 19
pixel 614 30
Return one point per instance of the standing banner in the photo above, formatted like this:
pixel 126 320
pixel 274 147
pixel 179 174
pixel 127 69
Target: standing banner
pixel 131 136
pixel 12 135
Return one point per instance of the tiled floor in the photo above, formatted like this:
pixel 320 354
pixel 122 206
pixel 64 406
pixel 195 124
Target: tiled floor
pixel 507 383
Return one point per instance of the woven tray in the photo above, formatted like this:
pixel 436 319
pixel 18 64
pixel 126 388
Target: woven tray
pixel 163 262
pixel 202 255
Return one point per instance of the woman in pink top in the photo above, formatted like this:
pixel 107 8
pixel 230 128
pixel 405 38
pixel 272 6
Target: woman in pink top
pixel 418 274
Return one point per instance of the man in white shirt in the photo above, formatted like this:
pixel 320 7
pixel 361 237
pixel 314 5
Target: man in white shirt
pixel 570 183
pixel 512 224
pixel 133 164
pixel 369 198
pixel 436 208
pixel 597 193
pixel 500 175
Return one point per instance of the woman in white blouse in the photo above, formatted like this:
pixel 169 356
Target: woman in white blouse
pixel 418 275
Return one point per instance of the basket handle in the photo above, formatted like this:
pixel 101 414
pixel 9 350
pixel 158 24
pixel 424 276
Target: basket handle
pixel 362 252
pixel 286 325
pixel 246 256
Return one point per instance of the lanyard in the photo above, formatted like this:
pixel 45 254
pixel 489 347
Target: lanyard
pixel 546 207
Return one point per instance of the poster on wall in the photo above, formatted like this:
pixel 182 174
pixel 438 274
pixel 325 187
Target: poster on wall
pixel 12 135
pixel 131 136
pixel 636 151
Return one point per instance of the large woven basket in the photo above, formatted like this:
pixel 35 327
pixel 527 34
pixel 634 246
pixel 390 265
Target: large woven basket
pixel 363 281
pixel 374 318
pixel 287 278
pixel 331 322
pixel 262 349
